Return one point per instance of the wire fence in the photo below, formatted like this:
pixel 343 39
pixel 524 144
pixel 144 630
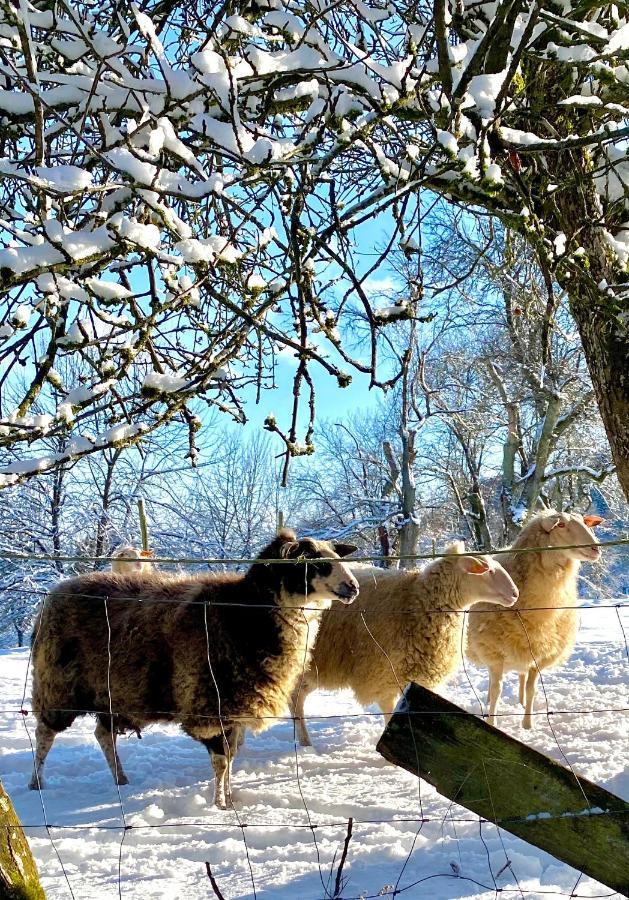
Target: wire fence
pixel 334 884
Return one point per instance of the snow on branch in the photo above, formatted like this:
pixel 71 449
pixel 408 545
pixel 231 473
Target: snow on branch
pixel 177 187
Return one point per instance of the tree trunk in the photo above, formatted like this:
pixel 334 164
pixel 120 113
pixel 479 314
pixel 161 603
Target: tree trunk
pixel 596 284
pixel 607 353
pixel 602 319
pixel 409 532
pixel 539 457
pixel 385 547
pixel 18 873
pixel 56 502
pixel 478 517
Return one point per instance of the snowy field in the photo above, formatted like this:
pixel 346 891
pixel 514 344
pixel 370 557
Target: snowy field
pixel 278 790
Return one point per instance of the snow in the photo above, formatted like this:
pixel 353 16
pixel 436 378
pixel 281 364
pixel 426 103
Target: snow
pixel 580 100
pixel 21 315
pixel 207 249
pixel 574 53
pixel 484 90
pixel 448 142
pixel 560 244
pixel 145 236
pixel 64 179
pixel 175 830
pixel 108 290
pixel 167 384
pixel 84 393
pixel 619 40
pixel 73 337
pixel 493 173
pixel 255 283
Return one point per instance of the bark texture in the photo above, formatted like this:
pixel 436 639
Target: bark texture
pixel 19 879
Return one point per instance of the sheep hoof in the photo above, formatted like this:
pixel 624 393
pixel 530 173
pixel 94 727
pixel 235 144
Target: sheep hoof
pixel 35 785
pixel 527 723
pixel 122 779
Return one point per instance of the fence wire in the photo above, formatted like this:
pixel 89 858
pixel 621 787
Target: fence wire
pixel 311 824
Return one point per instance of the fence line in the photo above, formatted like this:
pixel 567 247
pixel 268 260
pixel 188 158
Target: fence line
pixel 372 557
pixel 321 717
pixel 311 824
pixel 619 603
pixel 196 823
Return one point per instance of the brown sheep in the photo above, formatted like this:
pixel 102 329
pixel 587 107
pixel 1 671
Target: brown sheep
pixel 412 630
pixel 215 653
pixel 528 641
pixel 126 560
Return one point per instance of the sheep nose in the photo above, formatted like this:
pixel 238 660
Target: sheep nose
pixel 347 591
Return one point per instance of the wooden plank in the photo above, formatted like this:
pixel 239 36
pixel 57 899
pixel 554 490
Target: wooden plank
pixel 18 873
pixel 510 784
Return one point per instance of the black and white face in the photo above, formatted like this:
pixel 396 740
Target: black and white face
pixel 568 529
pixel 318 575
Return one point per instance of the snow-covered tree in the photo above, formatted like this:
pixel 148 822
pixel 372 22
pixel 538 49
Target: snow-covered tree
pixel 183 188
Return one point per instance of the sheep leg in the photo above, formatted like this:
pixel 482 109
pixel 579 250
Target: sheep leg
pixel 106 737
pixel 296 704
pixel 223 750
pixel 236 738
pixel 521 693
pixel 44 738
pixel 387 705
pixel 495 690
pixel 531 686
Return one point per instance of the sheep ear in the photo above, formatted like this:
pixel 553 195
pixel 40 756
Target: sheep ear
pixel 344 549
pixel 473 565
pixel 593 521
pixel 550 522
pixel 147 554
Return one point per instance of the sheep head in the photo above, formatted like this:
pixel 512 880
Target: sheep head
pixel 129 560
pixel 568 529
pixel 482 578
pixel 316 576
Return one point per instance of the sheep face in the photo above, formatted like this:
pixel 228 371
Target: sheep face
pixel 129 560
pixel 318 575
pixel 485 579
pixel 566 529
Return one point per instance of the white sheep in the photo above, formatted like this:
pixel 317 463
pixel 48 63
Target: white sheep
pixel 127 560
pixel 405 626
pixel 538 632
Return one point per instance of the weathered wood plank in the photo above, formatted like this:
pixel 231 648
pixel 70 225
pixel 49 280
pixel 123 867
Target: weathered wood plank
pixel 509 783
pixel 18 873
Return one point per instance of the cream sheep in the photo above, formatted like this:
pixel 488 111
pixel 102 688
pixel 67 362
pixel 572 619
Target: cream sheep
pixel 126 560
pixel 532 636
pixel 405 626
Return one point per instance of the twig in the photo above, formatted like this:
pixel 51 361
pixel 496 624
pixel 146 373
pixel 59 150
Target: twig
pixel 339 884
pixel 217 891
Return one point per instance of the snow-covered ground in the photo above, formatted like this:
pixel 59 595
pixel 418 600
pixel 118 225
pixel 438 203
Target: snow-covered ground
pixel 279 790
